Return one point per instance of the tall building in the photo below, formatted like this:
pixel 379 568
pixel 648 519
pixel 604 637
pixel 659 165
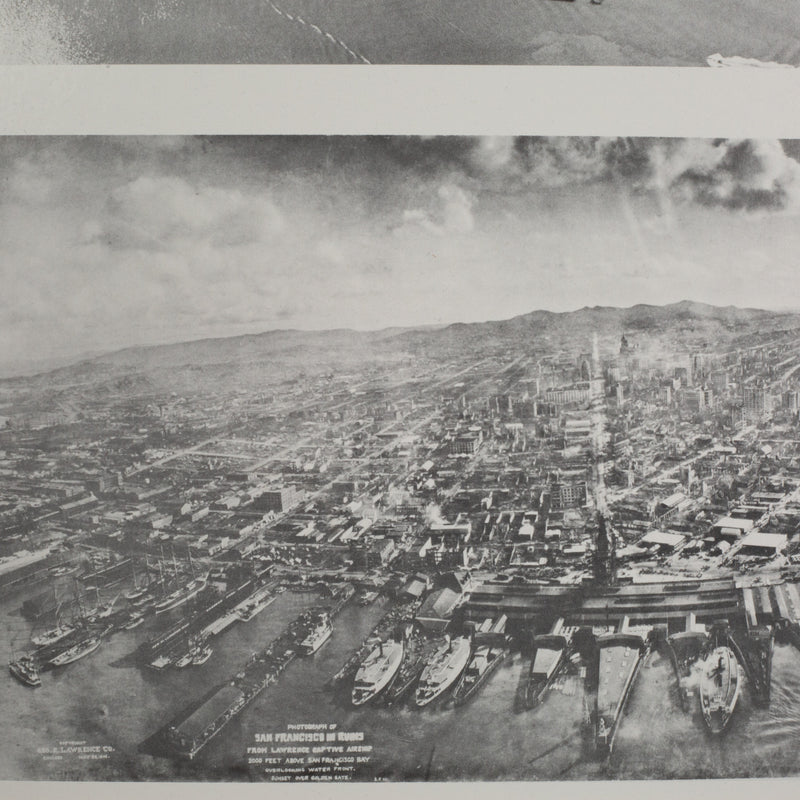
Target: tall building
pixel 756 403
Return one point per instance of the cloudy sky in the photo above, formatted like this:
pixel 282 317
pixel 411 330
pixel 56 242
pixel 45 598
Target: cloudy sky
pixel 118 241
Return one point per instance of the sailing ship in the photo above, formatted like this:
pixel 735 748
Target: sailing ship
pixel 77 651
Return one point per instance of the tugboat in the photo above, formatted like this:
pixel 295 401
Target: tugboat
pixel 550 653
pixel 377 671
pixel 720 683
pixel 25 670
pixel 443 670
pixel 75 652
pixel 319 632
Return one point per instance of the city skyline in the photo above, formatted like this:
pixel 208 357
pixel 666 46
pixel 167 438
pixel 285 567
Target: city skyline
pixel 116 242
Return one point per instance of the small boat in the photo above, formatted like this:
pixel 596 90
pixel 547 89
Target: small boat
pixel 25 670
pixel 443 670
pixel 485 660
pixel 720 683
pixel 80 650
pixel 377 671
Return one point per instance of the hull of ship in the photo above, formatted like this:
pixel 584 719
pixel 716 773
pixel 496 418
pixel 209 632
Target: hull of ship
pixel 385 681
pixel 719 692
pixel 245 615
pixel 60 661
pixel 201 658
pixel 24 678
pixel 540 681
pixel 458 660
pixel 609 716
pixel 465 692
pixel 169 605
pixel 309 647
pixel 46 639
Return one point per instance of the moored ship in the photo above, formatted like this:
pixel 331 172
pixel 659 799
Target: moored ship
pixel 550 654
pixel 443 670
pixel 485 660
pixel 619 656
pixel 76 652
pixel 53 636
pixel 317 634
pixel 25 670
pixel 254 604
pixel 377 671
pixel 720 683
pixel 182 595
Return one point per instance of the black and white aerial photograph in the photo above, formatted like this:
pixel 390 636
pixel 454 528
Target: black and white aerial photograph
pixel 399 459
pixel 554 32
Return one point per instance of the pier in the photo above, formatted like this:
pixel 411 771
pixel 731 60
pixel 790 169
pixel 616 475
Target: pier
pixel 192 729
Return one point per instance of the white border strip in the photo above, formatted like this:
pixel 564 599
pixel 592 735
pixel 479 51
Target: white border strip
pixel 613 101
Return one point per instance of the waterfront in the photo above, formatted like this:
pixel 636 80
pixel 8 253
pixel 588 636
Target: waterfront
pixel 620 32
pixel 91 701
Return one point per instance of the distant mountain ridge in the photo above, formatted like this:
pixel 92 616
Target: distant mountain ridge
pixel 285 346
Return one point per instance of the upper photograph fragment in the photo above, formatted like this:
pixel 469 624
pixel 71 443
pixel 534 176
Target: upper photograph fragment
pixel 741 33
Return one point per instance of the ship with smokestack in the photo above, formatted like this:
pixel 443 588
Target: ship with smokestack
pixel 377 672
pixel 720 681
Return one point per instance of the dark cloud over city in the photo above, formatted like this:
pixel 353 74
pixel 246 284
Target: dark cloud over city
pixel 129 240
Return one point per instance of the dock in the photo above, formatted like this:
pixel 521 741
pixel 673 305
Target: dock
pixel 191 730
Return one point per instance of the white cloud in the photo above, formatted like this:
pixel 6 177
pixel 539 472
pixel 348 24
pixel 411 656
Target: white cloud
pixel 151 213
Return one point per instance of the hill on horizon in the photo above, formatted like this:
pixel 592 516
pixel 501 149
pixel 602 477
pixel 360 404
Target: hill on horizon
pixel 287 349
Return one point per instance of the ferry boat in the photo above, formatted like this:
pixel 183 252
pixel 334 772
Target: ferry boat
pixel 182 595
pixel 25 670
pixel 75 652
pixel 720 683
pixel 484 662
pixel 52 636
pixel 319 633
pixel 550 653
pixel 619 655
pixel 254 604
pixel 377 671
pixel 443 670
